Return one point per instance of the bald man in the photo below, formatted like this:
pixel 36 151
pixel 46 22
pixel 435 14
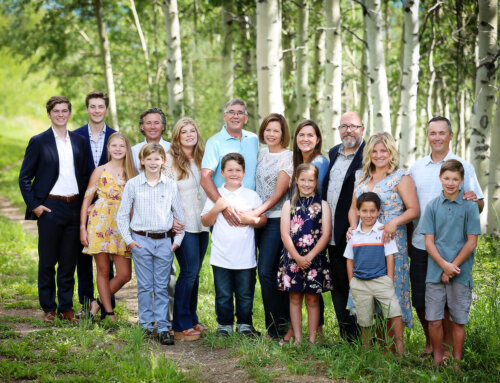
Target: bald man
pixel 338 187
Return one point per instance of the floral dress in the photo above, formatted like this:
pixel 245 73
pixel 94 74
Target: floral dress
pixel 103 234
pixel 305 230
pixel 392 206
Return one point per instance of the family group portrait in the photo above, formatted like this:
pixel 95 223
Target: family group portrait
pixel 262 191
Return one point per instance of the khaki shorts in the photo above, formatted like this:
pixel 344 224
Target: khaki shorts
pixel 364 294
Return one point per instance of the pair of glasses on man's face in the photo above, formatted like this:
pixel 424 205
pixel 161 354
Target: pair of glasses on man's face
pixel 238 113
pixel 351 128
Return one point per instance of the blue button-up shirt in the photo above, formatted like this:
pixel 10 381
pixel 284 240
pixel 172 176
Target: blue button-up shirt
pixel 223 143
pixel 425 174
pixel 96 147
pixel 450 221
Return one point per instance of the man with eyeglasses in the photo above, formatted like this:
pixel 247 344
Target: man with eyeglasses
pixel 338 187
pixel 232 138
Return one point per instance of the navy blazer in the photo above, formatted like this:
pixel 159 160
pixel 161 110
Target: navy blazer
pixel 341 220
pixel 40 168
pixel 84 132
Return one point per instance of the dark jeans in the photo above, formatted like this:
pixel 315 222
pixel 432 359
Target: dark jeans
pixel 241 284
pixel 58 243
pixel 276 303
pixel 190 257
pixel 348 326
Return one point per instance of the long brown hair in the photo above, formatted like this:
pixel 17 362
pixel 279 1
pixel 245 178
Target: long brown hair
pixel 180 161
pixel 128 161
pixel 298 158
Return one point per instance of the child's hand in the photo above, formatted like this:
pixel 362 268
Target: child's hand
pixel 303 263
pixel 132 245
pixel 445 279
pixel 450 269
pixel 84 237
pixel 247 218
pixel 221 204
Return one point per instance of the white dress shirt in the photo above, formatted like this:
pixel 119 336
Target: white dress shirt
pixel 66 184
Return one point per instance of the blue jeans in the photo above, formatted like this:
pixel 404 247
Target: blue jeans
pixel 152 263
pixel 190 257
pixel 241 284
pixel 276 303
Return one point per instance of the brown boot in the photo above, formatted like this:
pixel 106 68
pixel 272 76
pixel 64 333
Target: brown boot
pixel 68 315
pixel 49 317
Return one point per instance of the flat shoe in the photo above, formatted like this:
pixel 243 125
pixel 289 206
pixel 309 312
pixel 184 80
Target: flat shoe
pixel 188 335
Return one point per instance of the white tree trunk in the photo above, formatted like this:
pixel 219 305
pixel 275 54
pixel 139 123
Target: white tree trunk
pixel 333 73
pixel 268 57
pixel 485 88
pixel 302 78
pixel 432 69
pixel 318 89
pixel 227 50
pixel 106 58
pixel 493 226
pixel 175 87
pixel 378 76
pixel 410 83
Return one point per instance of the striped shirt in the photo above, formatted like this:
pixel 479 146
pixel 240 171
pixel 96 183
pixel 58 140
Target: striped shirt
pixel 96 147
pixel 155 207
pixel 368 252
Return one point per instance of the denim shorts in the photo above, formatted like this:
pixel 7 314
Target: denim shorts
pixel 456 296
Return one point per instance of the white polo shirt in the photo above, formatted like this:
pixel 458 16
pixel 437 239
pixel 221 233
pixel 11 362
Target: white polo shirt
pixel 233 247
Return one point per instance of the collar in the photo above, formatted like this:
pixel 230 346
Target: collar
pixel 428 158
pixel 458 200
pixel 227 136
pixel 143 179
pixel 373 229
pixel 57 136
pixel 236 192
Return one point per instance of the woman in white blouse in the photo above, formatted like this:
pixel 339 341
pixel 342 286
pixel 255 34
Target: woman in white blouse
pixel 274 169
pixel 183 165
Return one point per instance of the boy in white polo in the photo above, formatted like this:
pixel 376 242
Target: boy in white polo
pixel 370 269
pixel 232 253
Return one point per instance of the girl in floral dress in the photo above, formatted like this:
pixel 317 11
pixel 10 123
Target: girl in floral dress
pixel 101 237
pixel 304 270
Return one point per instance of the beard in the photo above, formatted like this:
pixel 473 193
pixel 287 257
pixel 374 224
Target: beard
pixel 349 141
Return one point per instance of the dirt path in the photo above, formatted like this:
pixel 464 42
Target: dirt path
pixel 193 358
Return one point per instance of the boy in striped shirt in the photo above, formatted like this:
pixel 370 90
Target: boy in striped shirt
pixel 370 269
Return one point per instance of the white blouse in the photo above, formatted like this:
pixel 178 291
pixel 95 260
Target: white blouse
pixel 268 167
pixel 192 195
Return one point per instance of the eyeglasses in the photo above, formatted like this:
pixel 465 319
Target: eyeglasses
pixel 351 128
pixel 238 113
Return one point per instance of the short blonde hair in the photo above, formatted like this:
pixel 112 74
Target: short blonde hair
pixel 388 141
pixel 149 149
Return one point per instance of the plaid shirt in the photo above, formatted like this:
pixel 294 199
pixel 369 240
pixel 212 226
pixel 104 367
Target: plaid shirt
pixel 155 207
pixel 96 147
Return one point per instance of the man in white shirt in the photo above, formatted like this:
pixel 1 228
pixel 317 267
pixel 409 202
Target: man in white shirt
pixel 53 179
pixel 425 174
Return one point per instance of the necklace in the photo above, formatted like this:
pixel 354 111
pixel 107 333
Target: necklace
pixel 197 182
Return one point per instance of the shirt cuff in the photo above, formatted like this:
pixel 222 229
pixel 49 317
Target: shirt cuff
pixel 178 239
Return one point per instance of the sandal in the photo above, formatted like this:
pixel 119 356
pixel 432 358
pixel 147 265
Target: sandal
pixel 200 328
pixel 108 314
pixel 188 335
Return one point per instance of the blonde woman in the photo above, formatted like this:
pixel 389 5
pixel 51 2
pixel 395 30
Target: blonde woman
pixel 101 237
pixel 395 187
pixel 183 166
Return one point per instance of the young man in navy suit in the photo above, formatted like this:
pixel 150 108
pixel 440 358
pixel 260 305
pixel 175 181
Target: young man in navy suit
pixel 53 179
pixel 96 133
pixel 338 187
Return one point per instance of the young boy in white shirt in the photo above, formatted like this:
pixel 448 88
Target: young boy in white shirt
pixel 232 254
pixel 370 269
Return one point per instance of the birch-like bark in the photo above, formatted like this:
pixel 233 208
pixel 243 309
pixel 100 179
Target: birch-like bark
pixel 268 57
pixel 249 68
pixel 378 76
pixel 302 74
pixel 144 46
pixel 318 80
pixel 493 224
pixel 106 58
pixel 485 88
pixel 227 50
pixel 410 83
pixel 333 73
pixel 432 69
pixel 175 87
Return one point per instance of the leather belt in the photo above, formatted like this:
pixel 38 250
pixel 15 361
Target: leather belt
pixel 63 198
pixel 155 235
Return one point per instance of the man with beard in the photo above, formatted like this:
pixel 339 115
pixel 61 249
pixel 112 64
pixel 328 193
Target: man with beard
pixel 338 187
